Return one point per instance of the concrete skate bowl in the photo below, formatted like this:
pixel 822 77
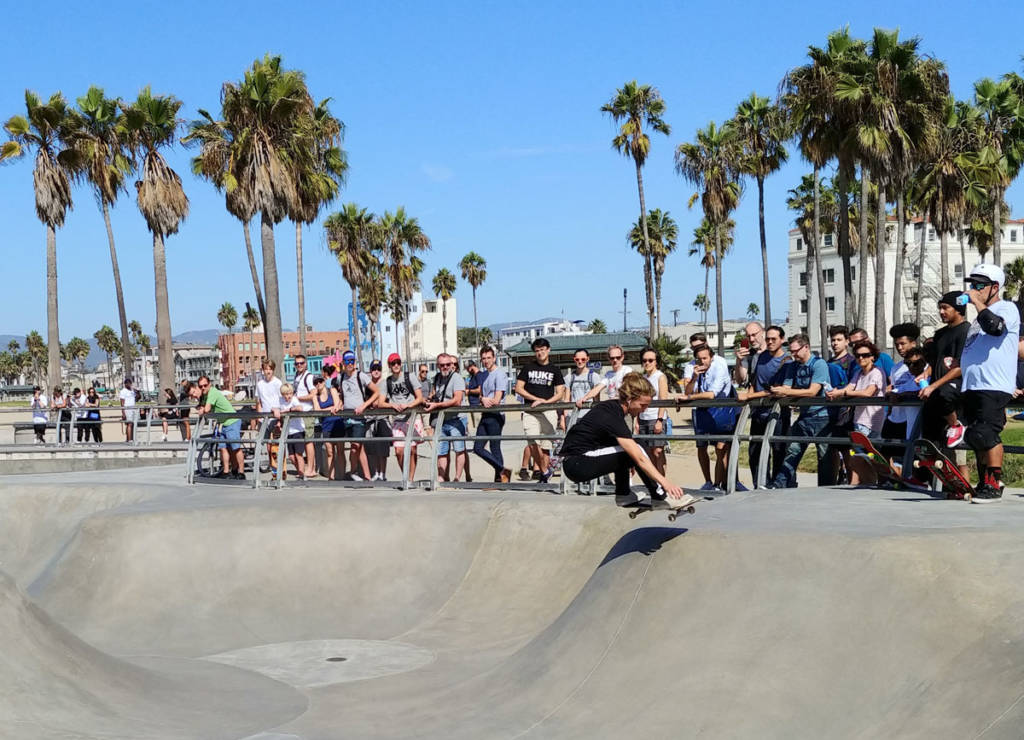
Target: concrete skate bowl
pixel 167 612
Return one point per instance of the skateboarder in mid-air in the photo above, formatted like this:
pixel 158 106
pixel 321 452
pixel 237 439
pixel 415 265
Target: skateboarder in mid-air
pixel 601 443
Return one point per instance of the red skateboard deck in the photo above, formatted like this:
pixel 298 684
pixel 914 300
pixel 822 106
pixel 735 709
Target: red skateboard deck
pixel 931 458
pixel 888 476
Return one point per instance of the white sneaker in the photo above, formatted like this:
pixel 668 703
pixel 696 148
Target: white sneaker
pixel 355 477
pixel 163 437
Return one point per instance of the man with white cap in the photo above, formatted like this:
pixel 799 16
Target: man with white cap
pixel 989 367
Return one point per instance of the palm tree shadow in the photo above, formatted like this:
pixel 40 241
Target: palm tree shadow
pixel 644 540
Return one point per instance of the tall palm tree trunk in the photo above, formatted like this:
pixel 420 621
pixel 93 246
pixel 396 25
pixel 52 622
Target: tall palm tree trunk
pixel 997 228
pixel 819 273
pixel 165 352
pixel 920 267
pixel 861 312
pixel 944 260
pixel 408 343
pixel 272 327
pixel 52 330
pixel 260 305
pixel 476 330
pixel 963 252
pixel 648 269
pixel 901 255
pixel 843 186
pixel 657 296
pixel 880 244
pixel 355 327
pixel 707 276
pixel 764 257
pixel 444 324
pixel 122 315
pixel 300 283
pixel 718 290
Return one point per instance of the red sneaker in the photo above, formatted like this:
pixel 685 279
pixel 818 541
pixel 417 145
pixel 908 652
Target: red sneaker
pixel 955 435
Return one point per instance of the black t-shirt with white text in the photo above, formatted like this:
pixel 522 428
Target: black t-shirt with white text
pixel 540 380
pixel 603 426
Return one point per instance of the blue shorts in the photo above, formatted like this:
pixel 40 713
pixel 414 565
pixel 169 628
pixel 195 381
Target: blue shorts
pixel 355 428
pixel 452 428
pixel 232 433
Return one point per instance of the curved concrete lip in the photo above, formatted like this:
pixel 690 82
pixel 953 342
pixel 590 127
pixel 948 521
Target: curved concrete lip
pixel 311 664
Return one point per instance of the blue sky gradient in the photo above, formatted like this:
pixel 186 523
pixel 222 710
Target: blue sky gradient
pixel 482 118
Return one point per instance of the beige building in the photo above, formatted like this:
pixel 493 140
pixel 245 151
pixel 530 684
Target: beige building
pixel 426 339
pixel 804 317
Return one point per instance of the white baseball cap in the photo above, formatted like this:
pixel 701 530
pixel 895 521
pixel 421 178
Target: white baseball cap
pixel 987 273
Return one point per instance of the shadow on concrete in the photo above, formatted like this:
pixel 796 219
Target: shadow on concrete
pixel 644 540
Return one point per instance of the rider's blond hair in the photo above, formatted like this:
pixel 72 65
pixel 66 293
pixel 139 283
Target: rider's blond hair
pixel 633 386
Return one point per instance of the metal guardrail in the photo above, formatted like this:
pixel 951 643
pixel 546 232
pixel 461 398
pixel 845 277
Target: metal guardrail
pixel 739 435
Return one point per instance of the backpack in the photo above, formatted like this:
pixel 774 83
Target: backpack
pixel 837 375
pixel 408 384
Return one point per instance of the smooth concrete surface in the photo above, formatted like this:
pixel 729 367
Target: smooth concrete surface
pixel 132 606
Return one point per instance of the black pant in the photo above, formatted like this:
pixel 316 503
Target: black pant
pixel 490 426
pixel 97 430
pixel 583 468
pixel 64 427
pixel 778 449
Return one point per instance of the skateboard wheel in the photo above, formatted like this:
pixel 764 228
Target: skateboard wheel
pixel 633 514
pixel 690 509
pixel 672 517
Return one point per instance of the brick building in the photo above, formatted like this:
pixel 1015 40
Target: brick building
pixel 241 353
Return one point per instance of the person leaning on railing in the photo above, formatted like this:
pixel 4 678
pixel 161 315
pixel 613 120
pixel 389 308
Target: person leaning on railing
pixel 806 377
pixel 868 382
pixel 213 401
pixel 769 369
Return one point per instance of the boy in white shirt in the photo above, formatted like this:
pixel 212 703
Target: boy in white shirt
pixel 296 431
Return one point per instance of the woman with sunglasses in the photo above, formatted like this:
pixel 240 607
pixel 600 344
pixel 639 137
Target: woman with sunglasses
pixel 868 382
pixel 326 398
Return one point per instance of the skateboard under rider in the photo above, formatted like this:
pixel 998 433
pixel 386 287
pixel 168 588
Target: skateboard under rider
pixel 933 459
pixel 636 510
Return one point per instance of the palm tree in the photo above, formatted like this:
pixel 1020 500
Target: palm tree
pixel 639 107
pixel 46 128
pixel 320 169
pixel 662 235
pixel 712 164
pixel 350 238
pixel 705 244
pixel 372 295
pixel 762 129
pixel 595 327
pixel 77 349
pixel 252 151
pixel 402 238
pixel 1002 152
pixel 106 340
pixel 216 140
pixel 99 136
pixel 806 200
pixel 151 122
pixel 38 352
pixel 474 272
pixel 444 288
pixel 13 346
pixel 1015 282
pixel 227 316
pixel 703 305
pixel 753 311
pixel 251 320
pixel 825 119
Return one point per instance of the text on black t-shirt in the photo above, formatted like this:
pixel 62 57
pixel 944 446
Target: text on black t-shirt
pixel 540 380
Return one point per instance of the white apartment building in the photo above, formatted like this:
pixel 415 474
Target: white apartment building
pixel 426 319
pixel 512 335
pixel 804 317
pixel 190 362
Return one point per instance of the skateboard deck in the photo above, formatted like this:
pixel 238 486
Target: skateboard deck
pixel 887 474
pixel 655 504
pixel 931 458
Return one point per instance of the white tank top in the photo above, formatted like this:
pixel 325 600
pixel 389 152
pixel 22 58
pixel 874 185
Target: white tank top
pixel 652 413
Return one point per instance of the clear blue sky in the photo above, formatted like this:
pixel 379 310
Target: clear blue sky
pixel 482 118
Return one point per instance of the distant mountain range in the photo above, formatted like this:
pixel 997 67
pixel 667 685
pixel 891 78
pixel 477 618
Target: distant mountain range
pixel 207 337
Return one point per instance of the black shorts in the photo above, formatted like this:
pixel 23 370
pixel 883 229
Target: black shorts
pixel 984 416
pixel 298 447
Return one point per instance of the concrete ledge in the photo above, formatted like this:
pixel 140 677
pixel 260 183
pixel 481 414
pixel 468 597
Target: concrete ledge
pixel 34 460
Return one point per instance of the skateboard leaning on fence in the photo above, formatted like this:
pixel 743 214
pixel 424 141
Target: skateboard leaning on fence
pixel 888 476
pixel 931 458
